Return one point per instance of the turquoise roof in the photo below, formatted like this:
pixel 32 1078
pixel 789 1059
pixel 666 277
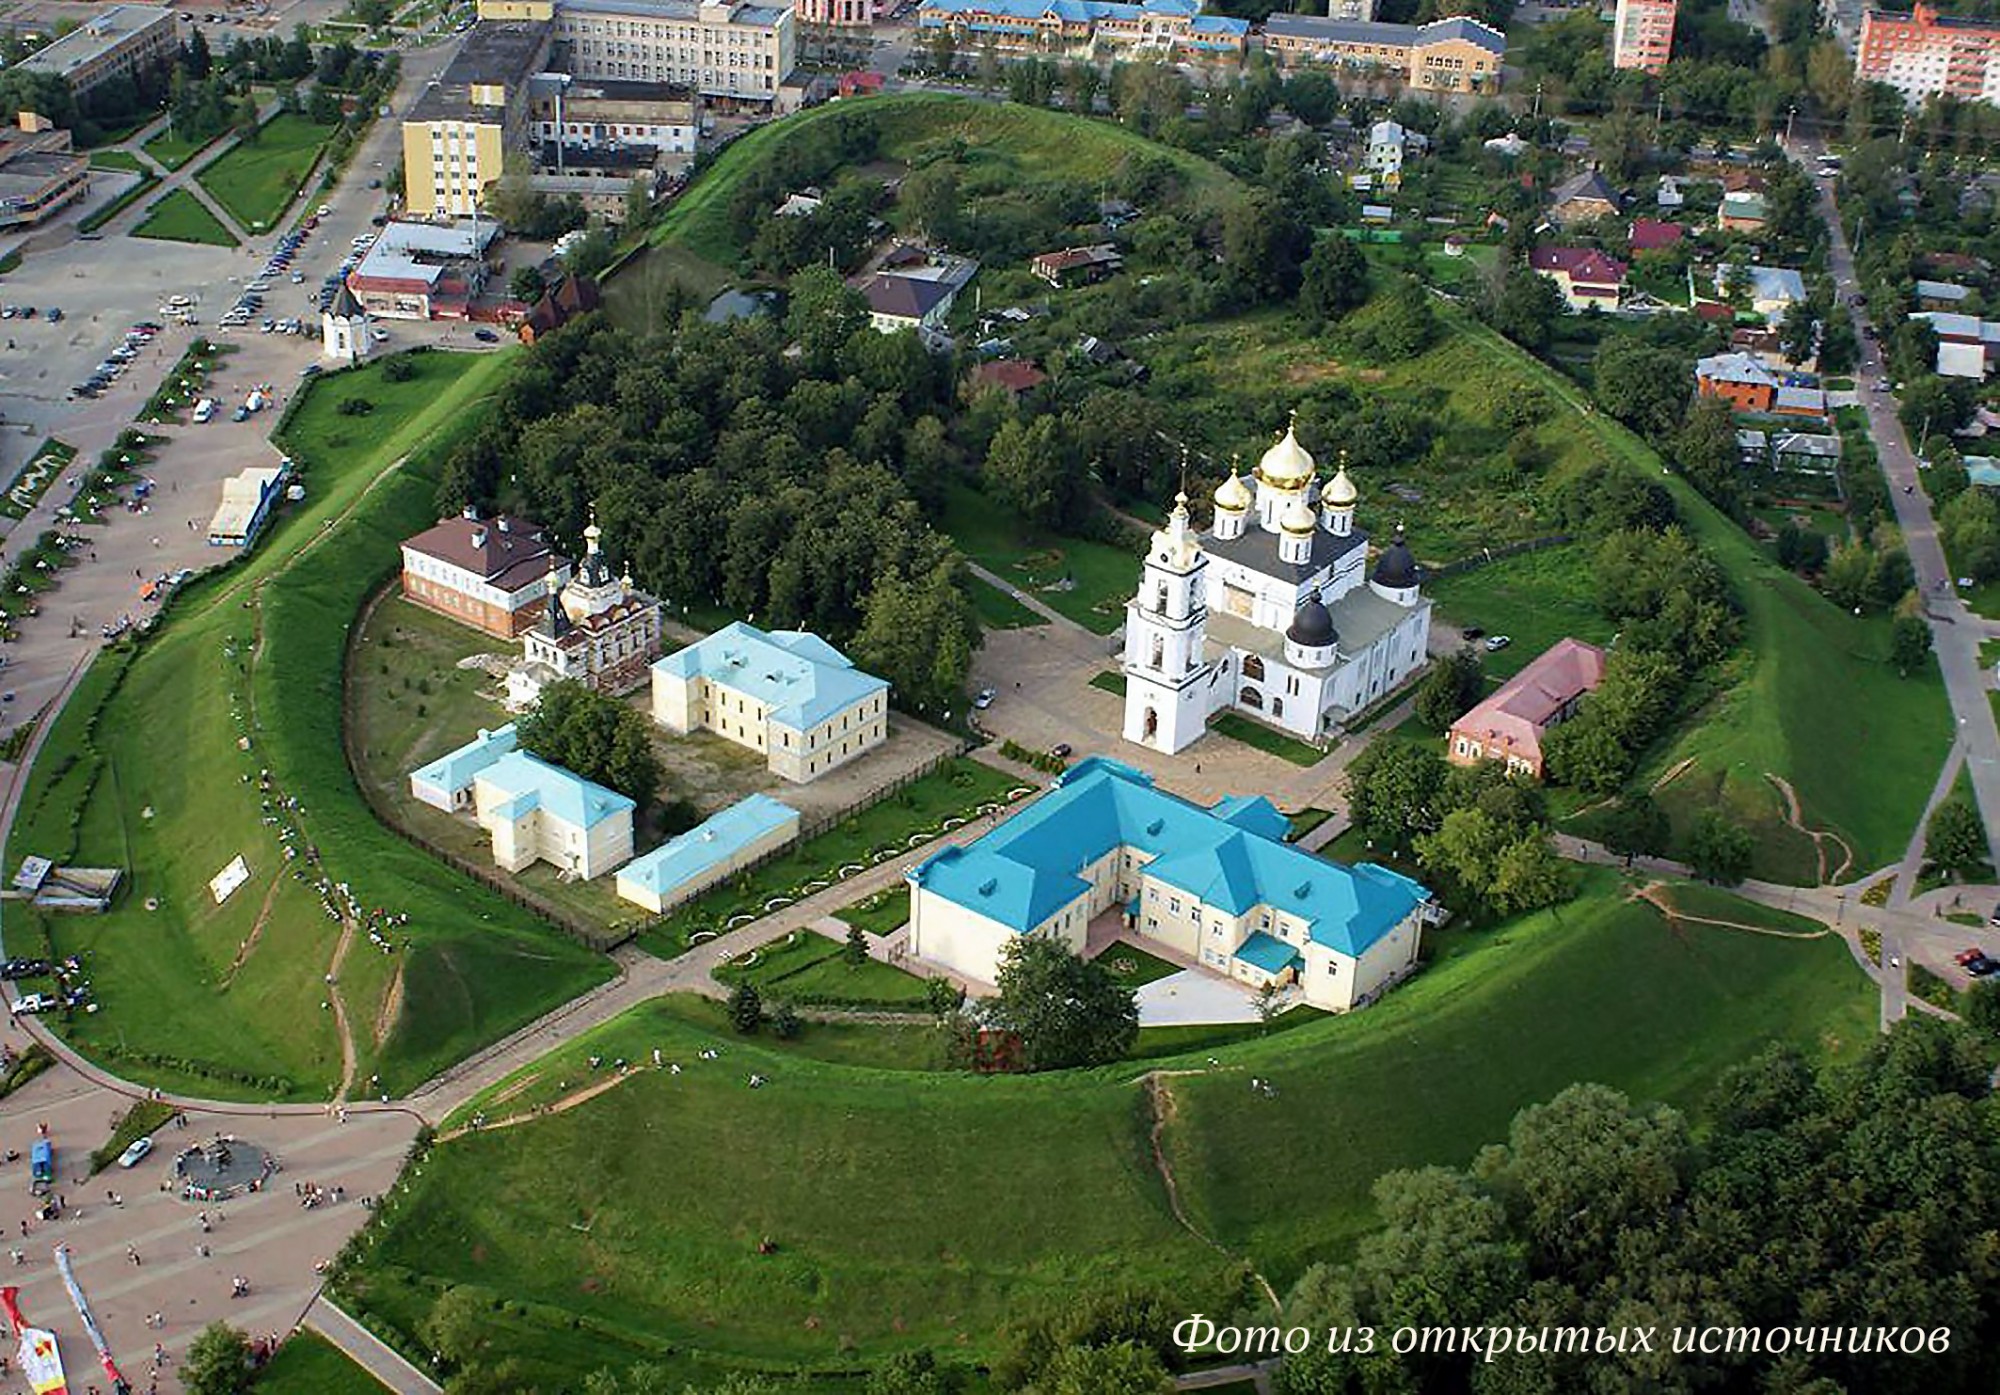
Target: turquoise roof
pixel 709 844
pixel 1231 856
pixel 530 784
pixel 453 772
pixel 801 678
pixel 1267 952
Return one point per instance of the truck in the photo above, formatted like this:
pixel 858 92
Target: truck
pixel 204 409
pixel 42 1167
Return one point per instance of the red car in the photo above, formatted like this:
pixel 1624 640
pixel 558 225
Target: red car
pixel 1966 956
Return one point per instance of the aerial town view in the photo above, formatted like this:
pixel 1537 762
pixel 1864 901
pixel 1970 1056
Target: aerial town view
pixel 956 697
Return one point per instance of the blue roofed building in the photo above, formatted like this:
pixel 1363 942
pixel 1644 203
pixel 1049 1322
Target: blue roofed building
pixel 787 694
pixel 541 812
pixel 724 844
pixel 1218 886
pixel 446 783
pixel 1166 27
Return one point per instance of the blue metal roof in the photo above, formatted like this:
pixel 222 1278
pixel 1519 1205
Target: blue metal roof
pixel 709 844
pixel 453 771
pixel 1268 953
pixel 801 678
pixel 1232 857
pixel 530 784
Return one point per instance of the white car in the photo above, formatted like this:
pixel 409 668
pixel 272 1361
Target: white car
pixel 1497 642
pixel 136 1153
pixel 983 699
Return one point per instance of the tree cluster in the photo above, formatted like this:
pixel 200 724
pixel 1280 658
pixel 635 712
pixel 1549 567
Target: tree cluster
pixel 1063 1010
pixel 594 735
pixel 1850 1197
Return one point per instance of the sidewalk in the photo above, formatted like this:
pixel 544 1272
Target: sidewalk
pixel 367 1350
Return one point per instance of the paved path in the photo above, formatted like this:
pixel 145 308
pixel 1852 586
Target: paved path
pixel 1955 631
pixel 367 1350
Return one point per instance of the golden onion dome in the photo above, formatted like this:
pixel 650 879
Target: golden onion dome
pixel 1297 517
pixel 1287 465
pixel 1232 495
pixel 1340 489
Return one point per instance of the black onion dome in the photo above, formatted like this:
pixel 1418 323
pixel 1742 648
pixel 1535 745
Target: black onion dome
pixel 1312 627
pixel 1396 568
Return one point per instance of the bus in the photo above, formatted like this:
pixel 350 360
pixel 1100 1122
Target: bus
pixel 42 1167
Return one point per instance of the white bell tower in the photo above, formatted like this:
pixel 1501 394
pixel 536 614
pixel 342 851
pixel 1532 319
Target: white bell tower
pixel 343 328
pixel 1166 628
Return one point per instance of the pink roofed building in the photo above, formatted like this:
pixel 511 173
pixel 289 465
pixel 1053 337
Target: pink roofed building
pixel 1655 235
pixel 1585 276
pixel 1508 726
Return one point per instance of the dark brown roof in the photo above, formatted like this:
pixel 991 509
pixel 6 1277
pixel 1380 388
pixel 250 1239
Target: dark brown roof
pixel 505 552
pixel 563 302
pixel 1013 374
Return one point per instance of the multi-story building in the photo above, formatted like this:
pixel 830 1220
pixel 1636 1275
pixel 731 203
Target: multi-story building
pixel 1924 53
pixel 841 14
pixel 1447 55
pixel 535 812
pixel 456 137
pixel 493 574
pixel 39 174
pixel 424 271
pixel 1642 34
pixel 1170 28
pixel 572 118
pixel 115 43
pixel 729 50
pixel 1107 853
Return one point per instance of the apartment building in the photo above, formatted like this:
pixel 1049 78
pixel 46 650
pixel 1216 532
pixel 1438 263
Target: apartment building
pixel 1169 28
pixel 730 51
pixel 1924 53
pixel 457 135
pixel 120 41
pixel 1642 34
pixel 1448 55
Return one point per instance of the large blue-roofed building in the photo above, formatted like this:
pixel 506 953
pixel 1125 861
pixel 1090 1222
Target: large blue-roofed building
pixel 1055 26
pixel 725 843
pixel 1219 886
pixel 534 810
pixel 788 694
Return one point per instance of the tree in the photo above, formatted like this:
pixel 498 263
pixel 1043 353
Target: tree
pixel 1031 468
pixel 591 254
pixel 919 634
pixel 1705 449
pixel 1451 688
pixel 1719 848
pixel 594 735
pixel 931 198
pixel 1981 1007
pixel 1798 333
pixel 1643 386
pixel 1333 281
pixel 855 950
pixel 217 1362
pixel 1124 1368
pixel 913 1373
pixel 1525 307
pixel 526 284
pixel 1065 1011
pixel 1393 790
pixel 1403 326
pixel 638 203
pixel 746 1008
pixel 323 107
pixel 942 997
pixel 786 1023
pixel 1955 839
pixel 1909 643
pixel 1970 523
pixel 1263 243
pixel 823 313
pixel 1637 827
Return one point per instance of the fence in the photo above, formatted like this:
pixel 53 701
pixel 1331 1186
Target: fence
pixel 1488 555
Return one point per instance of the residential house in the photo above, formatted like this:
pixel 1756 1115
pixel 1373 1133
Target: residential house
pixel 1510 145
pixel 1942 295
pixel 492 573
pixel 1078 265
pixel 1670 196
pixel 787 694
pixel 1750 385
pixel 1508 726
pixel 1652 235
pixel 897 303
pixel 1742 211
pixel 1967 345
pixel 565 301
pixel 1766 344
pixel 1218 887
pixel 1586 277
pixel 1753 448
pixel 1772 290
pixel 1388 143
pixel 1808 452
pixel 1584 198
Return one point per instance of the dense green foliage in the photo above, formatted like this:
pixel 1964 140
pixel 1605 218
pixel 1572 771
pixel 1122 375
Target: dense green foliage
pixel 594 735
pixel 1065 1011
pixel 1851 1198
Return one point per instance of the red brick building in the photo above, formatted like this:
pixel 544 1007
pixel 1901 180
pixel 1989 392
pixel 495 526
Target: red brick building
pixel 489 573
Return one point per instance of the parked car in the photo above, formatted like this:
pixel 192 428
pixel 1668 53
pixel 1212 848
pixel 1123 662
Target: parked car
pixel 1495 643
pixel 1472 632
pixel 983 699
pixel 55 314
pixel 1061 750
pixel 485 336
pixel 1966 956
pixel 136 1153
pixel 1983 967
pixel 23 968
pixel 33 1003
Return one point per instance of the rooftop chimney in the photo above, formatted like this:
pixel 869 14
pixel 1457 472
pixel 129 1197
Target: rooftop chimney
pixel 479 537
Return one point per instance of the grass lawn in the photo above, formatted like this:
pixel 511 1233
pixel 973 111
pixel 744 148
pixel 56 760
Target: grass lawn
pixel 33 479
pixel 1305 821
pixel 257 181
pixel 171 151
pixel 123 160
pixel 153 766
pixel 1772 713
pixel 913 814
pixel 1111 681
pixel 882 913
pixel 809 970
pixel 1104 577
pixel 998 610
pixel 1238 727
pixel 1133 966
pixel 1534 599
pixel 181 217
pixel 567 1218
pixel 308 1364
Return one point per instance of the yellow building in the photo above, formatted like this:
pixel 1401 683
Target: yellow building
pixel 1449 55
pixel 456 137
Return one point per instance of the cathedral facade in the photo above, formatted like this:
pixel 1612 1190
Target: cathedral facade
pixel 1274 612
pixel 599 629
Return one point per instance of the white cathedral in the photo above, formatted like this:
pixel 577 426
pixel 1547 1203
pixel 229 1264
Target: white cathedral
pixel 1277 619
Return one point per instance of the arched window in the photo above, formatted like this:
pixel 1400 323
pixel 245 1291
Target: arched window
pixel 1160 598
pixel 1277 707
pixel 1253 667
pixel 1159 652
pixel 1152 724
pixel 1250 697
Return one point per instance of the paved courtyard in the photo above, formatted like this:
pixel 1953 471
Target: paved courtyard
pixel 270 1238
